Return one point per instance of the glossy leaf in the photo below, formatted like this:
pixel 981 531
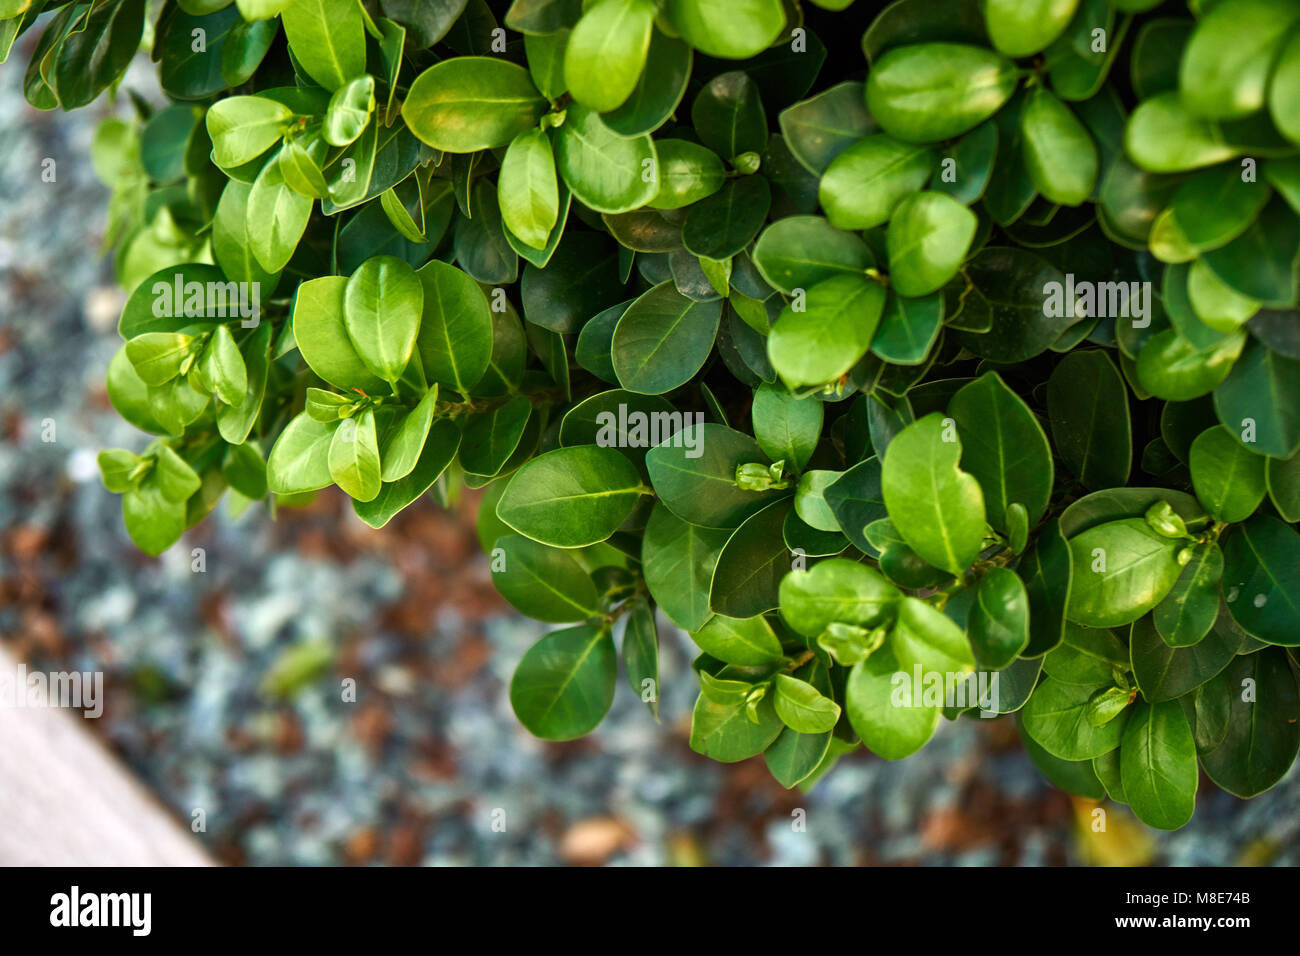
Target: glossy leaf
pixel 937 507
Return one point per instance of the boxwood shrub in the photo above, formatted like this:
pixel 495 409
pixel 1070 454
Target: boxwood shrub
pixel 923 361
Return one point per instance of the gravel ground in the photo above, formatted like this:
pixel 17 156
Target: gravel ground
pixel 428 765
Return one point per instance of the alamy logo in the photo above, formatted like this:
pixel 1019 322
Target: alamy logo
pixel 79 690
pixel 1103 300
pixel 635 429
pixel 208 300
pixel 935 689
pixel 133 910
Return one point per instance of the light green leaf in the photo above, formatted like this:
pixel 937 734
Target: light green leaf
pixel 936 507
pixel 564 685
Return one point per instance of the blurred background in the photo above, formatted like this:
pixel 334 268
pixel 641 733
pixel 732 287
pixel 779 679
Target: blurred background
pixel 223 686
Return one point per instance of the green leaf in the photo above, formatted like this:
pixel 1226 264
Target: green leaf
pixel 818 129
pixel 153 520
pixel 320 331
pixel 1077 68
pixel 349 111
pixel 731 29
pixel 1060 155
pixel 752 564
pixel 1088 656
pixel 1165 673
pixel 96 51
pixel 745 641
pixel 328 38
pixel 1123 569
pixel 1283 479
pixel 864 183
pixel 1172 368
pixel 173 475
pixel 564 685
pixel 641 655
pixel 723 224
pixel 528 190
pixel 382 303
pixel 998 622
pixel 607 172
pixel 928 239
pixel 223 367
pixel 933 91
pixel 802 708
pixel 908 329
pixel 663 339
pixel 1227 63
pixel 836 590
pixel 1284 91
pixel 620 419
pixel 1021 28
pixel 545 583
pixel 455 339
pixel 880 702
pixel 1217 304
pixel 795 757
pixel 1260 401
pixel 726 734
pixel 659 89
pixel 1006 297
pixel 353 456
pixel 299 460
pixel 481 247
pixel 158 357
pixel 688 172
pixel 579 281
pixel 236 420
pixel 1072 776
pixel 1004 447
pixel 821 342
pixel 427 22
pixel 856 501
pixel 245 48
pixel 1261 579
pixel 301 170
pixel 230 245
pixel 1187 614
pixel 1263 728
pixel 694 474
pixel 677 561
pixel 277 217
pixel 117 469
pixel 1229 479
pixel 799 251
pixel 1163 136
pixel 470 103
pixel 491 437
pixel 244 127
pixel 1158 765
pixel 1107 769
pixel 1087 403
pixel 571 497
pixel 1260 263
pixel 925 638
pixel 809 504
pixel 607 51
pixel 728 116
pixel 439 450
pixel 1215 206
pixel 786 428
pixel 404 444
pixel 936 507
pixel 1056 719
